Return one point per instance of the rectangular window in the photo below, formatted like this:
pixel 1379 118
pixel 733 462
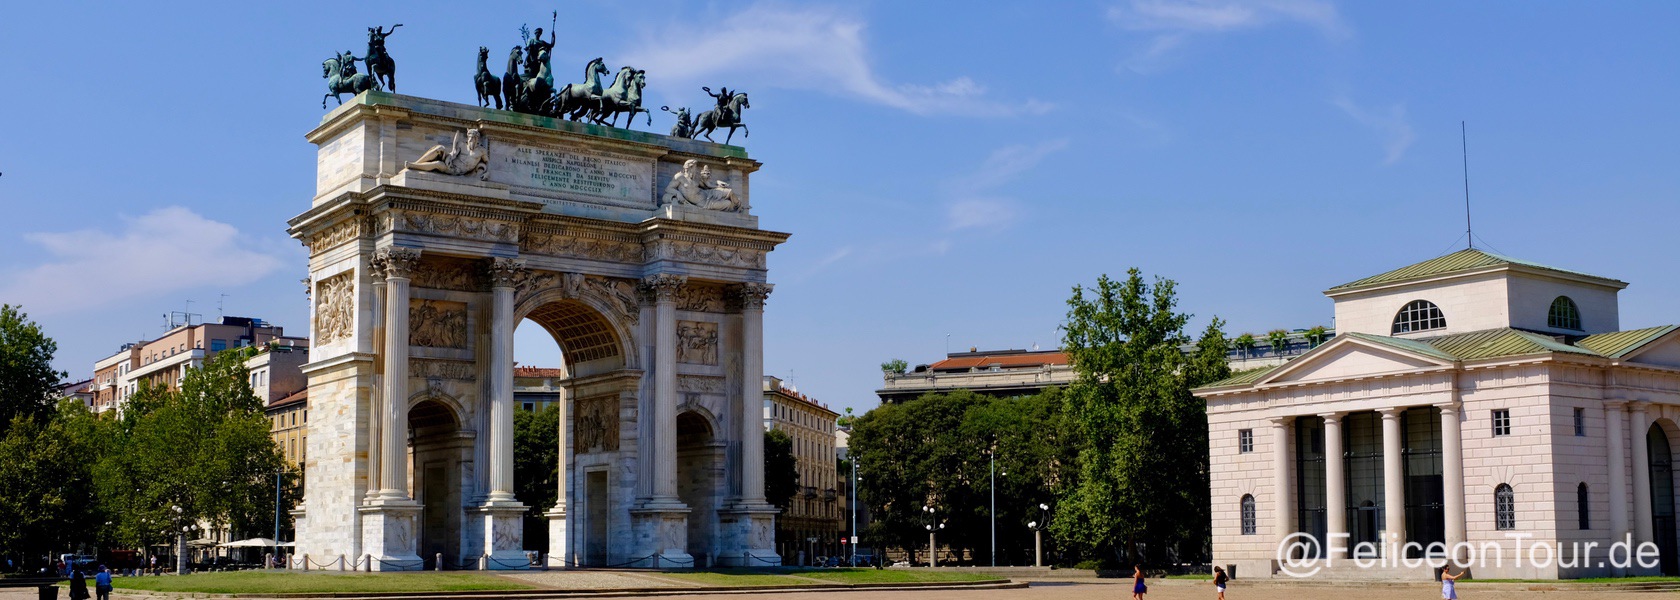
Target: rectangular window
pixel 1580 422
pixel 1502 422
pixel 1245 441
pixel 528 406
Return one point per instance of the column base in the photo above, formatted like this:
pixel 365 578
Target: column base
pixel 388 539
pixel 749 536
pixel 661 530
pixel 559 546
pixel 503 529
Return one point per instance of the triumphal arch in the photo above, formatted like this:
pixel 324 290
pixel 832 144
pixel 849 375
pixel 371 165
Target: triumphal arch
pixel 435 228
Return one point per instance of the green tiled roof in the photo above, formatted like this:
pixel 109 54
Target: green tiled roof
pixel 1244 377
pixel 1463 260
pixel 1620 343
pixel 1496 343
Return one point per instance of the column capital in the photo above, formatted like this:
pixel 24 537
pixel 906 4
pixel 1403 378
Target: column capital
pixel 1332 417
pixel 505 272
pixel 1448 407
pixel 1281 421
pixel 750 295
pixel 662 287
pixel 1392 412
pixel 1615 405
pixel 396 262
pixel 1638 406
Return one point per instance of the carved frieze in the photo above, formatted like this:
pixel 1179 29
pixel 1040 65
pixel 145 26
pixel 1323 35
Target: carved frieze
pixel 727 256
pixel 335 308
pixel 700 298
pixel 619 295
pixel 449 274
pixel 459 226
pixel 431 368
pixel 339 233
pixel 595 426
pixel 700 384
pixel 697 342
pixel 437 323
pixel 575 246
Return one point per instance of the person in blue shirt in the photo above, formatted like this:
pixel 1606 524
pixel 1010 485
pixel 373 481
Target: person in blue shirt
pixel 102 583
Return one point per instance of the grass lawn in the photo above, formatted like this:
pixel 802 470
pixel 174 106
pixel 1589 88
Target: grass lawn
pixel 278 582
pixel 894 575
pixel 1196 577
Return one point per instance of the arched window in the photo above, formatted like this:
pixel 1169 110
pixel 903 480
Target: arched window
pixel 1564 314
pixel 1581 506
pixel 1248 526
pixel 1504 508
pixel 1419 315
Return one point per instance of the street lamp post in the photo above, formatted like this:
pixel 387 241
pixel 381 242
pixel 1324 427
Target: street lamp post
pixel 180 543
pixel 1038 533
pixel 933 528
pixel 853 507
pixel 277 473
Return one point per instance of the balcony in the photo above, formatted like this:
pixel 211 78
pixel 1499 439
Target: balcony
pixel 831 494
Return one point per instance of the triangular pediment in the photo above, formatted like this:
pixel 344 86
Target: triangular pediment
pixel 1349 357
pixel 1662 352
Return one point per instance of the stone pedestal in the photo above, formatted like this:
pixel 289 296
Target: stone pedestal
pixel 749 536
pixel 388 535
pixel 502 529
pixel 559 551
pixel 661 536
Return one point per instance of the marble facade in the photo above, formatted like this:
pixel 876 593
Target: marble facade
pixel 420 278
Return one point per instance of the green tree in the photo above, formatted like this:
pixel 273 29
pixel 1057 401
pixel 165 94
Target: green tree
pixel 536 467
pixel 28 384
pixel 1244 343
pixel 1316 335
pixel 1279 340
pixel 46 490
pixel 1141 491
pixel 781 470
pixel 895 366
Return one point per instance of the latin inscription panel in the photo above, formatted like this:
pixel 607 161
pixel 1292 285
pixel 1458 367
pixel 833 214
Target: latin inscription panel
pixel 574 172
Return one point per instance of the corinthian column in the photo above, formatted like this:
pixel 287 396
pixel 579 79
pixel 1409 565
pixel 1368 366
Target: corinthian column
pixel 663 289
pixel 399 265
pixel 751 297
pixel 504 272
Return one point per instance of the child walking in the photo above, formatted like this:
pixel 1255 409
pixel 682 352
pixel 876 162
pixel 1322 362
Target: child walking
pixel 1219 579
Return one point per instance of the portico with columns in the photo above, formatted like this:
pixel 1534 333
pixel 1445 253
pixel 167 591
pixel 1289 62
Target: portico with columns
pixel 1467 398
pixel 417 281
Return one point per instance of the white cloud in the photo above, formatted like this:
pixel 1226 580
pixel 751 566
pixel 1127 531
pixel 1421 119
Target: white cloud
pixel 975 202
pixel 1389 122
pixel 1175 22
pixel 165 250
pixel 801 48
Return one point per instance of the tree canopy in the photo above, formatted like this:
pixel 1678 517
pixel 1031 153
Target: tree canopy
pixel 781 469
pixel 28 383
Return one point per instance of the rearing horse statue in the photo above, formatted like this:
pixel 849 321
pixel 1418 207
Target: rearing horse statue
pixel 728 115
pixel 488 86
pixel 337 84
pixel 623 96
pixel 511 81
pixel 576 98
pixel 379 61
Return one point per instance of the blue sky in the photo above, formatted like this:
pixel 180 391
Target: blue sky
pixel 944 168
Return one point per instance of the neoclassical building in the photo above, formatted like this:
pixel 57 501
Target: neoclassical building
pixel 1467 398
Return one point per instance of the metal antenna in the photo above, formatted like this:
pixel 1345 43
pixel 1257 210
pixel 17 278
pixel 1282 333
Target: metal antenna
pixel 219 302
pixel 1464 146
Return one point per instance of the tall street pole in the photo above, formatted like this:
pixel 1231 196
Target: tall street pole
pixel 853 506
pixel 277 512
pixel 994 506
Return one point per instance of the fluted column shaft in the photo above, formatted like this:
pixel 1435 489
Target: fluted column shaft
pixel 503 273
pixel 663 289
pixel 1615 423
pixel 752 296
pixel 1641 471
pixel 376 413
pixel 1394 478
pixel 1452 474
pixel 1335 488
pixel 399 265
pixel 1282 501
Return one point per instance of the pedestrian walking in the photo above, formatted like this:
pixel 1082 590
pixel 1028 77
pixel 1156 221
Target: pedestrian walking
pixel 1448 590
pixel 1219 580
pixel 1138 587
pixel 102 583
pixel 78 586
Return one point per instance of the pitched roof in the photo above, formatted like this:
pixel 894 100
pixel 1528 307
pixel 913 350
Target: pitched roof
pixel 1621 343
pixel 1408 345
pixel 1242 377
pixel 1014 359
pixel 1464 260
pixel 1502 342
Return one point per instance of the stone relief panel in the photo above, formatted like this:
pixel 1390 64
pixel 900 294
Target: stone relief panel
pixel 335 308
pixel 697 342
pixel 577 246
pixel 431 368
pixel 449 274
pixel 699 384
pixel 595 426
pixel 437 323
pixel 700 298
pixel 617 294
pixel 461 226
pixel 746 258
pixel 339 233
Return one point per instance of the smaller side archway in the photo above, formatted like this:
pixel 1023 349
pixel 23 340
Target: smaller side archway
pixel 438 447
pixel 700 479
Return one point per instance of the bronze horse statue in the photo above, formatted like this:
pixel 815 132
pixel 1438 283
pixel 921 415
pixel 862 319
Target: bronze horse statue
pixel 488 86
pixel 511 81
pixel 379 62
pixel 727 114
pixel 576 99
pixel 331 70
pixel 623 96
